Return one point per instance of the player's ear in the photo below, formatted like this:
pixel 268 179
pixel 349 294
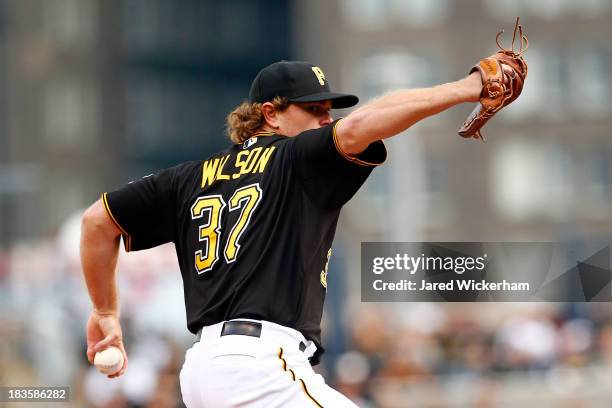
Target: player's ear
pixel 270 115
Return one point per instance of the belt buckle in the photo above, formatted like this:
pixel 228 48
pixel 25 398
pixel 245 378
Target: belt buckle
pixel 241 328
pixel 244 328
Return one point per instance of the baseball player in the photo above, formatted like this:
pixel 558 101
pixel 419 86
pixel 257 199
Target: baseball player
pixel 253 227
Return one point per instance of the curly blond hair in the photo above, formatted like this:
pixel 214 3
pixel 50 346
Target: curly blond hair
pixel 247 118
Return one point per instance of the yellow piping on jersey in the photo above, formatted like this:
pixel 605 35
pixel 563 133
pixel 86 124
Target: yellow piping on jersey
pixel 303 384
pixel 127 239
pixel 346 155
pixel 262 134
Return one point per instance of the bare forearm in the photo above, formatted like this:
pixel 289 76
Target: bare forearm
pixel 395 112
pixel 99 252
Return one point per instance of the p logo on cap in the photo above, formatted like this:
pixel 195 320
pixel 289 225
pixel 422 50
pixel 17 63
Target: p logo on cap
pixel 320 75
pixel 295 81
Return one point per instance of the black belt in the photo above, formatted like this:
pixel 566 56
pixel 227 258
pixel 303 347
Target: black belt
pixel 242 328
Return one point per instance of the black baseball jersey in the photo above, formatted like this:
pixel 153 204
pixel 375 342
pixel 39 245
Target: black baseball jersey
pixel 252 225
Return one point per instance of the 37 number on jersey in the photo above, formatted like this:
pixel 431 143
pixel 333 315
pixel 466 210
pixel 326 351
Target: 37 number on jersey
pixel 246 199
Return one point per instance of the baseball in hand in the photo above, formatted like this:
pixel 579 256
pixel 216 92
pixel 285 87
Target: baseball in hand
pixel 109 361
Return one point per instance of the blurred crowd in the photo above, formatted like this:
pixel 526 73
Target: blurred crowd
pixel 380 355
pixel 439 355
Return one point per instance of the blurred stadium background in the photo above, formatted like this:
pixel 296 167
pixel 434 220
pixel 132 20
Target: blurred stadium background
pixel 95 93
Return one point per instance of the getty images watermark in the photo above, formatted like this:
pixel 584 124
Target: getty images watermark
pixel 477 272
pixel 458 265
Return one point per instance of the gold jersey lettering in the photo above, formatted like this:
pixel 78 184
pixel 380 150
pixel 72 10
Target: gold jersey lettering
pixel 253 156
pixel 209 172
pixel 245 161
pixel 220 175
pixel 252 161
pixel 241 159
pixel 263 160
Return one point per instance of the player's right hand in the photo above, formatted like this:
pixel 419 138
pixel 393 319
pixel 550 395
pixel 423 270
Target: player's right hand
pixel 103 331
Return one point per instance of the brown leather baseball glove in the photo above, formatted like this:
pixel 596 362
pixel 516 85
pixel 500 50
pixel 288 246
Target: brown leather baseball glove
pixel 503 75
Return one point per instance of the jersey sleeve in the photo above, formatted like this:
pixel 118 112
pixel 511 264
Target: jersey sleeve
pixel 330 176
pixel 143 210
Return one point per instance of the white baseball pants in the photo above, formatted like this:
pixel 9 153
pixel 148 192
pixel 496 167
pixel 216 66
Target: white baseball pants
pixel 244 371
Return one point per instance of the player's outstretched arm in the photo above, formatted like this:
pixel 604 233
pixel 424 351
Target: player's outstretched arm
pixel 99 252
pixel 395 112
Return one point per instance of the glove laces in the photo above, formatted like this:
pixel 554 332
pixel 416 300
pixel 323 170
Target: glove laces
pixel 524 41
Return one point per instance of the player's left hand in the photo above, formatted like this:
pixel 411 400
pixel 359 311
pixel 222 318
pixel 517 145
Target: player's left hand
pixel 503 75
pixel 103 331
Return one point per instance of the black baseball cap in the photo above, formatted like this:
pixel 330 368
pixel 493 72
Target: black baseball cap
pixel 297 81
